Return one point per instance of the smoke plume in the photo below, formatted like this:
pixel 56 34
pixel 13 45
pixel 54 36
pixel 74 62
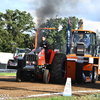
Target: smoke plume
pixel 48 9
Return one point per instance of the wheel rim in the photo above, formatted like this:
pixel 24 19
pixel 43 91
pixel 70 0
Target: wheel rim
pixel 48 78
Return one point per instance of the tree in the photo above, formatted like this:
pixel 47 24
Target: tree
pixel 15 24
pixel 60 36
pixel 5 42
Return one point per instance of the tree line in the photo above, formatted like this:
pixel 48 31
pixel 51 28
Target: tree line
pixel 17 27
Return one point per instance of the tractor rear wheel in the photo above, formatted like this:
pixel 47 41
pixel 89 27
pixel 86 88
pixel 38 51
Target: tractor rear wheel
pixel 46 76
pixel 59 68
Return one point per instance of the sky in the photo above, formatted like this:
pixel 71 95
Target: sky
pixel 88 10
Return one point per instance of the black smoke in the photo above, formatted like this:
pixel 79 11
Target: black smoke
pixel 48 9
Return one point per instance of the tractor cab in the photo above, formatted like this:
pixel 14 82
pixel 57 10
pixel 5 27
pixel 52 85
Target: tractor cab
pixel 83 43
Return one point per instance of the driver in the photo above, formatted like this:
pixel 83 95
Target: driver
pixel 44 43
pixel 86 40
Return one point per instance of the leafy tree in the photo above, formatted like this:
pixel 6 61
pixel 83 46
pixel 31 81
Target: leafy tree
pixel 60 36
pixel 32 42
pixel 5 42
pixel 13 26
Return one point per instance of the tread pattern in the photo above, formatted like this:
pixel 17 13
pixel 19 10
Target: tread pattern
pixel 94 75
pixel 45 76
pixel 56 68
pixel 18 75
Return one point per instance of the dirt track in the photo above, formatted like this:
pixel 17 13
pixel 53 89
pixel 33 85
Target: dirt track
pixel 9 86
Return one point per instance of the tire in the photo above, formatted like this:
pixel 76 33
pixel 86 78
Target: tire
pixel 94 77
pixel 18 75
pixel 19 70
pixel 59 68
pixel 46 76
pixel 97 78
pixel 20 63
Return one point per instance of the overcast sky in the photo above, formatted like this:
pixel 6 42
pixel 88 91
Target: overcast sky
pixel 88 10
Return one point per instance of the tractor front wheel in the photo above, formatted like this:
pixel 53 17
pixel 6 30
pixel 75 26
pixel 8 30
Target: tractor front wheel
pixel 46 76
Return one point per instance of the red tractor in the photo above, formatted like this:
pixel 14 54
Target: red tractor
pixel 34 66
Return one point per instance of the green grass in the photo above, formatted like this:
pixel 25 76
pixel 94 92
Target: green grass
pixel 53 98
pixel 7 74
pixel 86 97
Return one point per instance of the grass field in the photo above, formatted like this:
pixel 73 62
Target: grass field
pixel 7 74
pixel 86 97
